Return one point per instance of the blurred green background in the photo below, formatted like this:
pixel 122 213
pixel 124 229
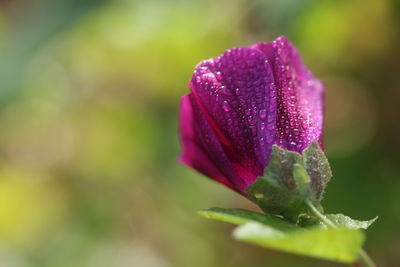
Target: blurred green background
pixel 89 94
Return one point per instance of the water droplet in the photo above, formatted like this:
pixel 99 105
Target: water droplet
pixel 225 106
pixel 271 117
pixel 224 90
pixel 251 121
pixel 262 114
pixel 271 126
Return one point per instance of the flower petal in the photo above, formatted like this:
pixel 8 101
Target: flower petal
pixel 300 96
pixel 237 92
pixel 201 149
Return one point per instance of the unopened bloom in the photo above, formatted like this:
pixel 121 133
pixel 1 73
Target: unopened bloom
pixel 243 102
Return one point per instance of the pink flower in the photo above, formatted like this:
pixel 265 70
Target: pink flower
pixel 243 102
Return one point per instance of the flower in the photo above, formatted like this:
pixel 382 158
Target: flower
pixel 243 102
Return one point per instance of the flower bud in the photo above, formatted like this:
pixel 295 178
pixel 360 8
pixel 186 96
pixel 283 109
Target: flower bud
pixel 241 104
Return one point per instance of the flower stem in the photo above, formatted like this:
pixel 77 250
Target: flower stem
pixel 364 257
pixel 320 216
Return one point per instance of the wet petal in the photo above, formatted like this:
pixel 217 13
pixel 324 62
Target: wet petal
pixel 237 92
pixel 299 95
pixel 201 149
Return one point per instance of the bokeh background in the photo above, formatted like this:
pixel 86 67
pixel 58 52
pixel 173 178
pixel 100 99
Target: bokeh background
pixel 89 94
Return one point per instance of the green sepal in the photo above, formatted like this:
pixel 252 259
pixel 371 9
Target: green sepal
pixel 289 180
pixel 318 168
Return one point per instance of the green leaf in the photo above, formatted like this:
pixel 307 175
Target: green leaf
pixel 343 221
pixel 340 245
pixel 241 216
pixel 275 233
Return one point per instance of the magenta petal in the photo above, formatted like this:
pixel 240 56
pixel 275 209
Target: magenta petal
pixel 299 95
pixel 201 149
pixel 237 90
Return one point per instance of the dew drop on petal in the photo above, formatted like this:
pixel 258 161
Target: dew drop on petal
pixel 262 114
pixel 225 106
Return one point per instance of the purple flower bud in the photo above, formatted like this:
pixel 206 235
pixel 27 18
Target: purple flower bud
pixel 243 102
